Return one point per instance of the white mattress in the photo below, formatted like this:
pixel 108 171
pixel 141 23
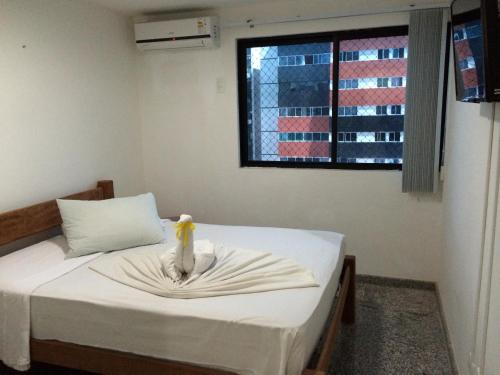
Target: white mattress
pixel 266 333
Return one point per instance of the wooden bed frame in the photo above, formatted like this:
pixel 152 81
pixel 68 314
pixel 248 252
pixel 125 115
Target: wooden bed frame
pixel 25 222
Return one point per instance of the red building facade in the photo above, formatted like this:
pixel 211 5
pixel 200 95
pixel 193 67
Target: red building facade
pixel 371 101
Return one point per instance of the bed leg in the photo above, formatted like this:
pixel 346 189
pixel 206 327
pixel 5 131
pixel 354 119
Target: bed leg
pixel 349 314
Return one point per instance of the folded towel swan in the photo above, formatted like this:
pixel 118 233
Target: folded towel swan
pixel 190 257
pixel 196 269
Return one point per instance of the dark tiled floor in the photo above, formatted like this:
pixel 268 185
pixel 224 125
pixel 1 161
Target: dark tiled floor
pixel 398 331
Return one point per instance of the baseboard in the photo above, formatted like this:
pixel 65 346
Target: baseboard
pixel 447 333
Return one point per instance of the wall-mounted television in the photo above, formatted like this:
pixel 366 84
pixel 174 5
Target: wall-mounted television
pixel 476 45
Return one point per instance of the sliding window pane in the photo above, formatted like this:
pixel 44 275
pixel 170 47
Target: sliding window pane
pixel 292 98
pixel 376 106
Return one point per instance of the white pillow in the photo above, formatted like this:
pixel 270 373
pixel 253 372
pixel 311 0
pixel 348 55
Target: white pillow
pixel 112 224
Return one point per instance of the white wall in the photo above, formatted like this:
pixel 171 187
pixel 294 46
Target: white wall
pixel 68 101
pixel 468 141
pixel 191 161
pixel 492 359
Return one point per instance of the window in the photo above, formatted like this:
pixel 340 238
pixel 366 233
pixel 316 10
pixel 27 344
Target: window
pixel 383 54
pixel 347 137
pixel 306 102
pixel 348 84
pixel 303 137
pixel 349 56
pixel 391 53
pixel 382 82
pixel 381 110
pixel 394 137
pixel 396 81
pixel 398 53
pixel 299 60
pixel 395 109
pixel 348 111
pixel 380 137
pixel 351 137
pixel 303 111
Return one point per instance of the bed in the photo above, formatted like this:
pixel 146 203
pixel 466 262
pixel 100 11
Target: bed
pixel 84 321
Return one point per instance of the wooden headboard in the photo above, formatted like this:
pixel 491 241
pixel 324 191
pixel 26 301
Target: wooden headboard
pixel 25 222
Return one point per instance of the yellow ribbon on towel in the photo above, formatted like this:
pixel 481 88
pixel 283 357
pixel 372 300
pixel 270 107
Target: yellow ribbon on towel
pixel 185 226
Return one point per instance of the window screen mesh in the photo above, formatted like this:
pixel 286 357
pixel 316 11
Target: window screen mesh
pixel 289 102
pixel 290 89
pixel 371 100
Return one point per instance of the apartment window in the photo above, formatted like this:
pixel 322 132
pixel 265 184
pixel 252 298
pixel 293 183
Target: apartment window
pixel 348 84
pixel 347 137
pixel 398 53
pixel 310 59
pixel 380 137
pixel 396 81
pixel 381 110
pixel 348 111
pixel 395 110
pixel 394 137
pixel 304 137
pixel 383 54
pixel 326 111
pixel 382 82
pixel 345 56
pixel 391 53
pixel 303 111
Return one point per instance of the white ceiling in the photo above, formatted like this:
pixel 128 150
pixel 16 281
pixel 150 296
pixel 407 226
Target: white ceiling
pixel 138 7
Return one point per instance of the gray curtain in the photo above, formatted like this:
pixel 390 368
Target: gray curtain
pixel 422 97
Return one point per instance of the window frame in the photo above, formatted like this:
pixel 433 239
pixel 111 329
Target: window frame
pixel 334 37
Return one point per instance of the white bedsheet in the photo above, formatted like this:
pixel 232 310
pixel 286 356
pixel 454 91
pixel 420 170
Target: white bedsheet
pixel 20 274
pixel 270 333
pixel 236 271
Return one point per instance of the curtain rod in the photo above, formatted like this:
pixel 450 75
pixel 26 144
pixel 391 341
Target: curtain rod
pixel 251 23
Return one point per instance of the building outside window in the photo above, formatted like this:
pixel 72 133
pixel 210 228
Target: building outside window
pixel 383 54
pixel 307 109
pixel 349 56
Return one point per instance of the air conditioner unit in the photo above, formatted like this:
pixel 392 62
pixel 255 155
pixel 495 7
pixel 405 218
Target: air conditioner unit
pixel 201 32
